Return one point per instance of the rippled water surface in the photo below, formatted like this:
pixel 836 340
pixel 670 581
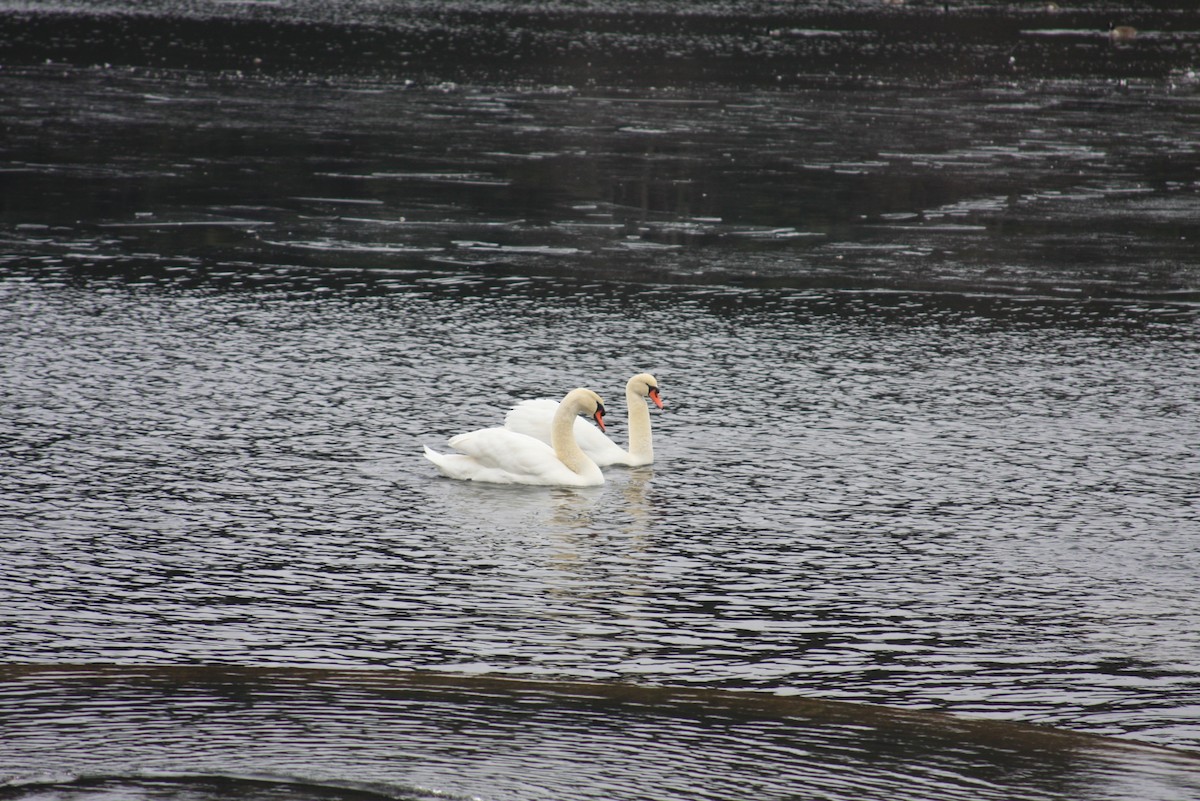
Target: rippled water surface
pixel 928 348
pixel 268 734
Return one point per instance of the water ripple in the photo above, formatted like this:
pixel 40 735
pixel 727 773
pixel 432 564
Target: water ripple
pixel 958 509
pixel 929 354
pixel 200 733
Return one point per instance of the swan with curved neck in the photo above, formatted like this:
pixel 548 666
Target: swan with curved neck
pixel 502 456
pixel 535 417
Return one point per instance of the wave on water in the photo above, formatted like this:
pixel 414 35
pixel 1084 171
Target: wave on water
pixel 196 733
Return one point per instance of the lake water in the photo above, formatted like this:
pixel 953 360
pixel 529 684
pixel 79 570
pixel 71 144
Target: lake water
pixel 920 289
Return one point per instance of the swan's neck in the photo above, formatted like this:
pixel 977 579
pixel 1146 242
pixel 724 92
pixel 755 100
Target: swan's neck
pixel 640 445
pixel 562 439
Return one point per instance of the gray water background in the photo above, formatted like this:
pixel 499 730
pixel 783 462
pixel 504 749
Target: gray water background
pixel 928 348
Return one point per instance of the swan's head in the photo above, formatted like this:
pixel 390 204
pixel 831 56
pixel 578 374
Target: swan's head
pixel 645 385
pixel 584 401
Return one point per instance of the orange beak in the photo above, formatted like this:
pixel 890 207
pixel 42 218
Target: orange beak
pixel 599 415
pixel 654 397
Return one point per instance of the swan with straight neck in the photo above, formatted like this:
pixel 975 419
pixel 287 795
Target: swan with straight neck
pixel 535 418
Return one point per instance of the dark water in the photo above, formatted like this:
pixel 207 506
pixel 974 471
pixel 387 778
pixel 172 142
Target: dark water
pixel 920 287
pixel 268 734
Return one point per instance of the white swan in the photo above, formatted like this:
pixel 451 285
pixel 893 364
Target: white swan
pixel 501 456
pixel 534 417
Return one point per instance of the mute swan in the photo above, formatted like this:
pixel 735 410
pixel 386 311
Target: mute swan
pixel 533 417
pixel 501 456
pixel 1122 33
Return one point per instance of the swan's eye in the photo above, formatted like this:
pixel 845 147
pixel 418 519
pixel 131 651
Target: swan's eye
pixel 600 408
